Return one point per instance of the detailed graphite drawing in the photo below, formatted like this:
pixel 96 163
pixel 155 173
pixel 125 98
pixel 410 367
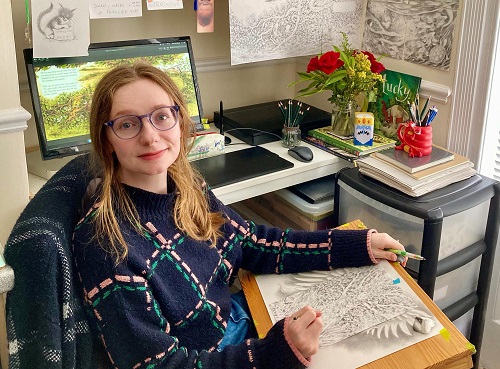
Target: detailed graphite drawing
pixel 266 30
pixel 56 23
pixel 352 300
pixel 415 31
pixel 371 344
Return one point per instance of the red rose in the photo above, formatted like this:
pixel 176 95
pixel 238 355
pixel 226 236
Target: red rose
pixel 375 66
pixel 329 62
pixel 313 64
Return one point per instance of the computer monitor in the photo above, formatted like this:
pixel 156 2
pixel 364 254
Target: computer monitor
pixel 61 88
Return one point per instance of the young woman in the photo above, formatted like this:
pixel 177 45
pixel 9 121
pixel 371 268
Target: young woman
pixel 157 252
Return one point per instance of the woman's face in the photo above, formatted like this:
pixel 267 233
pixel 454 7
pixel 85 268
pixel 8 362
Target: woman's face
pixel 144 159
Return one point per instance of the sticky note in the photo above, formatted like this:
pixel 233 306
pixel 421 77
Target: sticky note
pixel 445 334
pixel 471 347
pixel 205 123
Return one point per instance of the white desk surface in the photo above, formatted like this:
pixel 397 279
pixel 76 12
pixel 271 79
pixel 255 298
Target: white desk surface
pixel 323 164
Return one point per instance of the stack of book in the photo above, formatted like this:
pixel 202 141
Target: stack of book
pixel 417 176
pixel 326 140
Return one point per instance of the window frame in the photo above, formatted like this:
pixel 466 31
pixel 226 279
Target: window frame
pixel 473 76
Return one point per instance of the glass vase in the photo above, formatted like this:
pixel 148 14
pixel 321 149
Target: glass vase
pixel 290 137
pixel 343 120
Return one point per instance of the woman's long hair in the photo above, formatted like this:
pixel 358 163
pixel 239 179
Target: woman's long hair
pixel 191 209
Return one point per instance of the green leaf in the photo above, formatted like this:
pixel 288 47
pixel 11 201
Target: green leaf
pixel 372 96
pixel 348 60
pixel 335 77
pixel 305 75
pixel 307 93
pixel 305 89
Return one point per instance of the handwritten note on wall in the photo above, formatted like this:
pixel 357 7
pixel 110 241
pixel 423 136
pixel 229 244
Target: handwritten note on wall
pixel 164 4
pixel 115 8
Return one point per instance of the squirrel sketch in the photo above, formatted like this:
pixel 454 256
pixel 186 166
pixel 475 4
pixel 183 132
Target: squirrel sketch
pixel 59 21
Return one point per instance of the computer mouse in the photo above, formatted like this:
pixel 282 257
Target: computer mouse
pixel 301 153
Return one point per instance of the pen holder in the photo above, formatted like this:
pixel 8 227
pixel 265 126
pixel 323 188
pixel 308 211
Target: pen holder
pixel 290 136
pixel 415 140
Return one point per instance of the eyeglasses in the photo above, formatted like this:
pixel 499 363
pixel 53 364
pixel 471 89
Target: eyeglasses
pixel 129 126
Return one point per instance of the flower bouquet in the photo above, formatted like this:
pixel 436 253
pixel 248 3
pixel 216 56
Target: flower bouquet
pixel 347 73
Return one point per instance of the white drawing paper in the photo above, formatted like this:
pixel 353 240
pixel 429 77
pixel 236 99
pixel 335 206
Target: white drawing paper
pixel 274 29
pixel 354 298
pixel 164 4
pixel 416 31
pixel 351 302
pixel 115 9
pixel 60 28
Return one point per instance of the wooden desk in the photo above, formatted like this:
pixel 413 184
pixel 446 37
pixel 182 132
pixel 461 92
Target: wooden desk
pixel 432 353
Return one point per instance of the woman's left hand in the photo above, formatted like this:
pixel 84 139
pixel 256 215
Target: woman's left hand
pixel 381 241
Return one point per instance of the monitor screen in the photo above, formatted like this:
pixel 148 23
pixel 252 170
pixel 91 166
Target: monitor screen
pixel 61 88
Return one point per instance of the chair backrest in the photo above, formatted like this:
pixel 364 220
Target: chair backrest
pixel 46 323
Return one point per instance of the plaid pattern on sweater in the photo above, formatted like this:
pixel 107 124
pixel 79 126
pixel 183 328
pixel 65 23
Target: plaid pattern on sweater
pixel 168 304
pixel 46 325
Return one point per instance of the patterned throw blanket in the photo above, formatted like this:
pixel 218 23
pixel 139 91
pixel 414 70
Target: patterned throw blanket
pixel 46 324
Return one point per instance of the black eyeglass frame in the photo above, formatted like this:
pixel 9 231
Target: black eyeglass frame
pixel 175 108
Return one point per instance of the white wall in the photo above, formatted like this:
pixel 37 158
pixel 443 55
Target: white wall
pixel 235 85
pixel 13 176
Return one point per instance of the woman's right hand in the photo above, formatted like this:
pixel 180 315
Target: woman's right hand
pixel 304 329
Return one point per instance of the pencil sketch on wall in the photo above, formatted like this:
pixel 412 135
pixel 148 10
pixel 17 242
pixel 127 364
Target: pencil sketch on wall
pixel 265 30
pixel 416 31
pixel 351 303
pixel 60 28
pixel 56 23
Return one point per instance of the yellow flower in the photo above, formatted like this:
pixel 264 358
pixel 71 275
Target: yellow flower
pixel 345 72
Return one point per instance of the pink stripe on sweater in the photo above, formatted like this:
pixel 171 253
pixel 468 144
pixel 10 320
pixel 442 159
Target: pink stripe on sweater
pixel 369 245
pixel 122 278
pixel 105 283
pixel 92 292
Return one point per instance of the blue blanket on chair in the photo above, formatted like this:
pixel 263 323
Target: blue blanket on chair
pixel 46 324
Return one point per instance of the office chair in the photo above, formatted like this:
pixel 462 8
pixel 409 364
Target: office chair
pixel 46 324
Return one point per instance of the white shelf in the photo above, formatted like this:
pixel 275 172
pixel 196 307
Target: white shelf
pixel 322 165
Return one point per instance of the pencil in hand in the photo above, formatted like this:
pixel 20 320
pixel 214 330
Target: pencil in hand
pixel 406 253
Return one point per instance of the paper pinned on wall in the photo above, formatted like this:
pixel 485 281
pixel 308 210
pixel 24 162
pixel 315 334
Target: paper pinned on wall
pixel 60 28
pixel 205 16
pixel 275 29
pixel 115 9
pixel 415 31
pixel 164 4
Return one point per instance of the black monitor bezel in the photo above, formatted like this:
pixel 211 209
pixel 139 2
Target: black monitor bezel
pixel 51 153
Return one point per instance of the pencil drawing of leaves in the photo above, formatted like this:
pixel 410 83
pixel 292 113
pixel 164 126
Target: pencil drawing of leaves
pixel 400 324
pixel 303 281
pixel 351 301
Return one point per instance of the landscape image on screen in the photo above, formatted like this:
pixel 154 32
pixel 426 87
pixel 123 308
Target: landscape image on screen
pixel 65 91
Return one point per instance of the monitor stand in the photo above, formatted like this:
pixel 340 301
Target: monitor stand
pixel 45 168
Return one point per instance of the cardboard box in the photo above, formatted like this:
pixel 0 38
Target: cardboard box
pixel 284 209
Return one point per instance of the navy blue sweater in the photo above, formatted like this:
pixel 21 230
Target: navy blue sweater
pixel 168 304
